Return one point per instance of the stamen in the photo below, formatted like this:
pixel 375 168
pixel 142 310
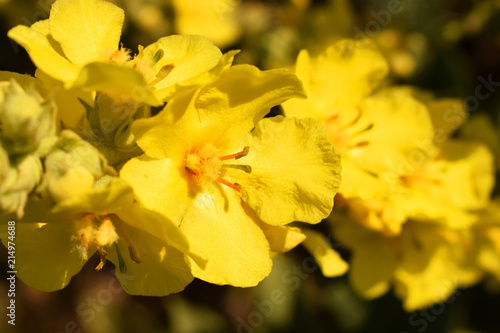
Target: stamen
pixel 242 167
pixel 360 144
pixel 140 50
pixel 236 156
pixel 355 120
pixel 234 186
pixel 134 254
pixel 132 249
pixel 194 173
pixel 241 190
pixel 164 71
pixel 158 55
pixel 332 118
pixel 121 262
pixel 366 129
pixel 102 262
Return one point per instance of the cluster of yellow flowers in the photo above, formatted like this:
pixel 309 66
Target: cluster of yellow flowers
pixel 209 186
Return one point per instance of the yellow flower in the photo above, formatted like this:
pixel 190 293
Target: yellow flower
pixel 78 45
pixel 446 188
pixel 425 263
pixel 486 233
pixel 214 19
pixel 52 244
pixel 374 131
pixel 210 155
pixel 328 259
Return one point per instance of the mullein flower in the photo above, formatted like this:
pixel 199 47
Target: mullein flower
pixel 445 180
pixel 55 46
pixel 448 187
pixel 53 243
pixel 210 155
pixel 373 130
pixel 425 263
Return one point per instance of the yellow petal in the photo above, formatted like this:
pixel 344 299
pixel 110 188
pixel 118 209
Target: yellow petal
pixel 280 238
pixel 190 56
pixel 458 180
pixel 398 131
pixel 295 171
pixel 69 109
pixel 162 271
pixel 159 185
pixel 329 260
pixel 117 80
pixel 42 53
pixel 167 133
pixel 159 226
pixel 46 258
pixel 357 182
pixel 201 79
pixel 447 115
pixel 223 113
pixel 218 228
pixel 431 265
pixel 338 79
pixel 373 260
pixel 86 28
pixel 468 177
pixel 230 107
pixel 110 198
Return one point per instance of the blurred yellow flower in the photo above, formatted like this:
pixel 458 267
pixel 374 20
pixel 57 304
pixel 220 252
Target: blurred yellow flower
pixel 447 188
pixel 78 45
pixel 374 131
pixel 52 244
pixel 215 19
pixel 425 263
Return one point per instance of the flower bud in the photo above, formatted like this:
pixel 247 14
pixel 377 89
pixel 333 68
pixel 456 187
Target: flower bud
pixel 25 118
pixel 72 166
pixel 17 181
pixel 109 120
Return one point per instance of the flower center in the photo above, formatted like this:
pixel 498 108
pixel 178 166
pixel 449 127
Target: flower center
pixel 207 166
pixel 98 232
pixel 342 135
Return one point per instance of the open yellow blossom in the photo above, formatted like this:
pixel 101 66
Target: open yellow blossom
pixel 148 250
pixel 79 46
pixel 210 151
pixel 446 188
pixel 373 130
pixel 425 263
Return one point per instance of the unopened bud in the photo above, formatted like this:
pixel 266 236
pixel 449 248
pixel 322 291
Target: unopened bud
pixel 17 181
pixel 72 167
pixel 25 118
pixel 110 119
